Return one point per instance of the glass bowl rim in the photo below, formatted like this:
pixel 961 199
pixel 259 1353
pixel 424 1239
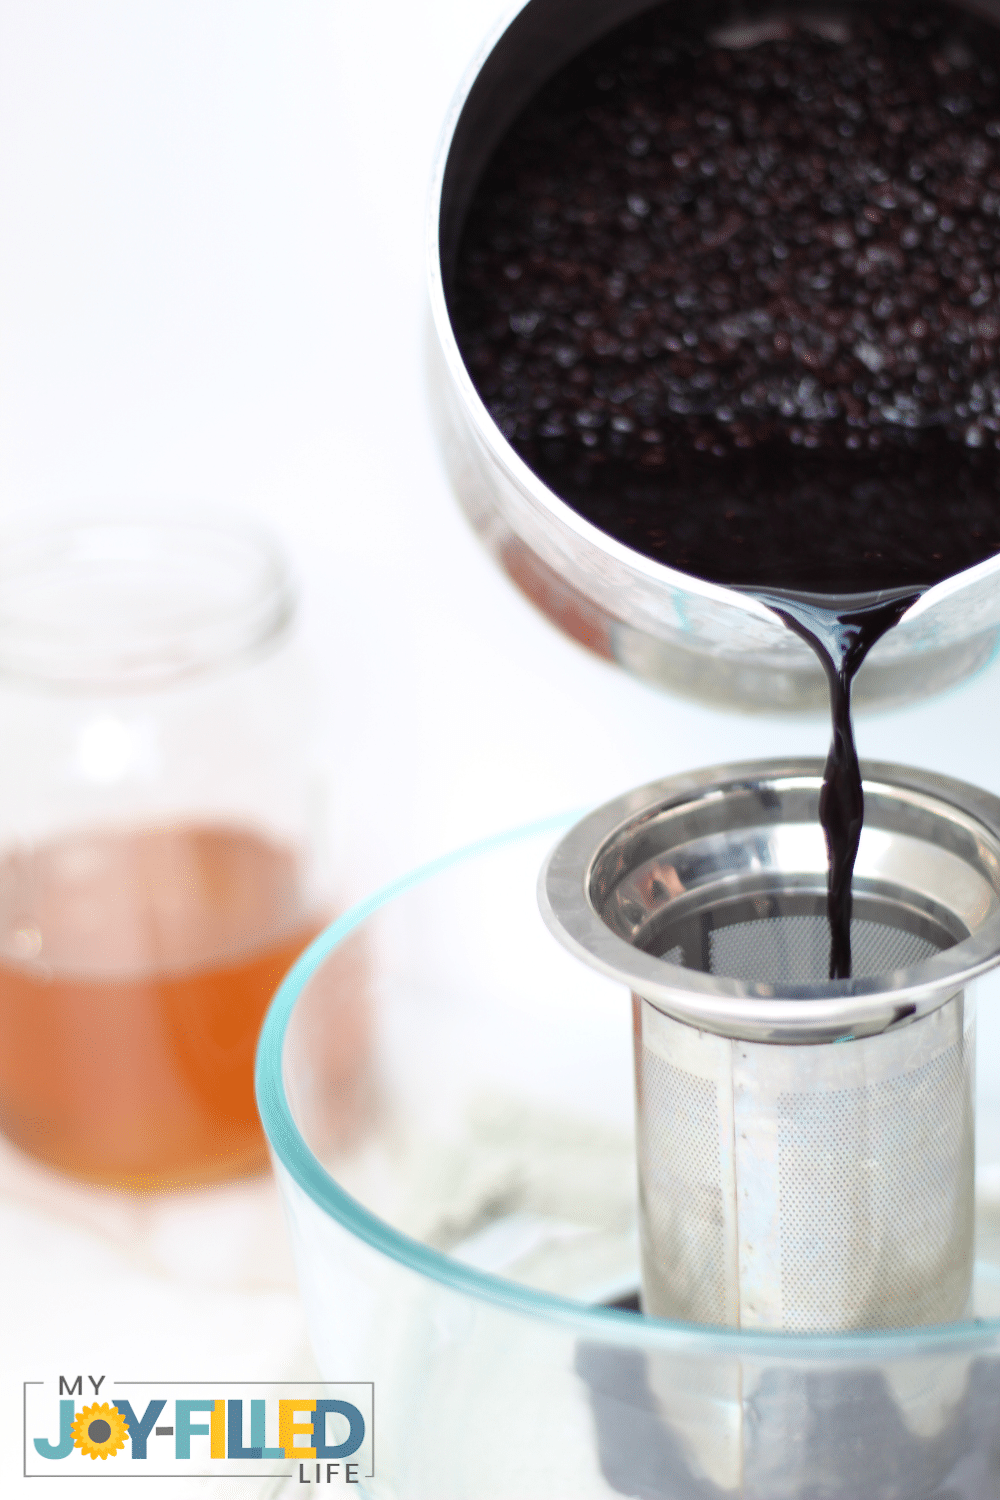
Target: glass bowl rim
pixel 602 1324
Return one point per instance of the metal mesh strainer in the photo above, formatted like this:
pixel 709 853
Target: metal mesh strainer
pixel 787 1181
pixel 785 947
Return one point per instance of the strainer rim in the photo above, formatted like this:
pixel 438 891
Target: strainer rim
pixel 754 1011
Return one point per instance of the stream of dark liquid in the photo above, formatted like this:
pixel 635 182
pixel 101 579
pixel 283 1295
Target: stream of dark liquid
pixel 841 640
pixel 730 285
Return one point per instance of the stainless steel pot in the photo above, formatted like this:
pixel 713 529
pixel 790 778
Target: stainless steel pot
pixel 668 627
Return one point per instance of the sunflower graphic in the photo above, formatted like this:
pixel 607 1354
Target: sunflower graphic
pixel 100 1430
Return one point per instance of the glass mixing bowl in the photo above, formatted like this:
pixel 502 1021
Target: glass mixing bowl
pixel 464 1225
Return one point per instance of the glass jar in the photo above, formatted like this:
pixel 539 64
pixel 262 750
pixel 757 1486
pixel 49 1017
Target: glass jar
pixel 159 867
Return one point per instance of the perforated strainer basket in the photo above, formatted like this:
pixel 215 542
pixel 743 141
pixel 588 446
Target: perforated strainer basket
pixel 805 1145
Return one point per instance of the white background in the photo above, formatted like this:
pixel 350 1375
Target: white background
pixel 212 288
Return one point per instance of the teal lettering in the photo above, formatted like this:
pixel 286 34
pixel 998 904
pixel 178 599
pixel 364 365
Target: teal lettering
pixel 186 1429
pixel 236 1448
pixel 356 1429
pixel 258 1436
pixel 67 1413
pixel 140 1428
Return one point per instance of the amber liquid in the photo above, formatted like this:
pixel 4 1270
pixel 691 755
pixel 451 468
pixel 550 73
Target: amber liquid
pixel 135 971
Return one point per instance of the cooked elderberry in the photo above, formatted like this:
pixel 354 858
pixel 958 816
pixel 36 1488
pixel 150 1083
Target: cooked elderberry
pixel 734 293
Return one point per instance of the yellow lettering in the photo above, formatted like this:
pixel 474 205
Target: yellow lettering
pixel 288 1428
pixel 217 1430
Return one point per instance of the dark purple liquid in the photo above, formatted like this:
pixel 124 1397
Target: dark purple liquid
pixel 841 641
pixel 734 294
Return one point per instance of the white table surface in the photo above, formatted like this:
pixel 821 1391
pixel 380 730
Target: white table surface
pixel 212 288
